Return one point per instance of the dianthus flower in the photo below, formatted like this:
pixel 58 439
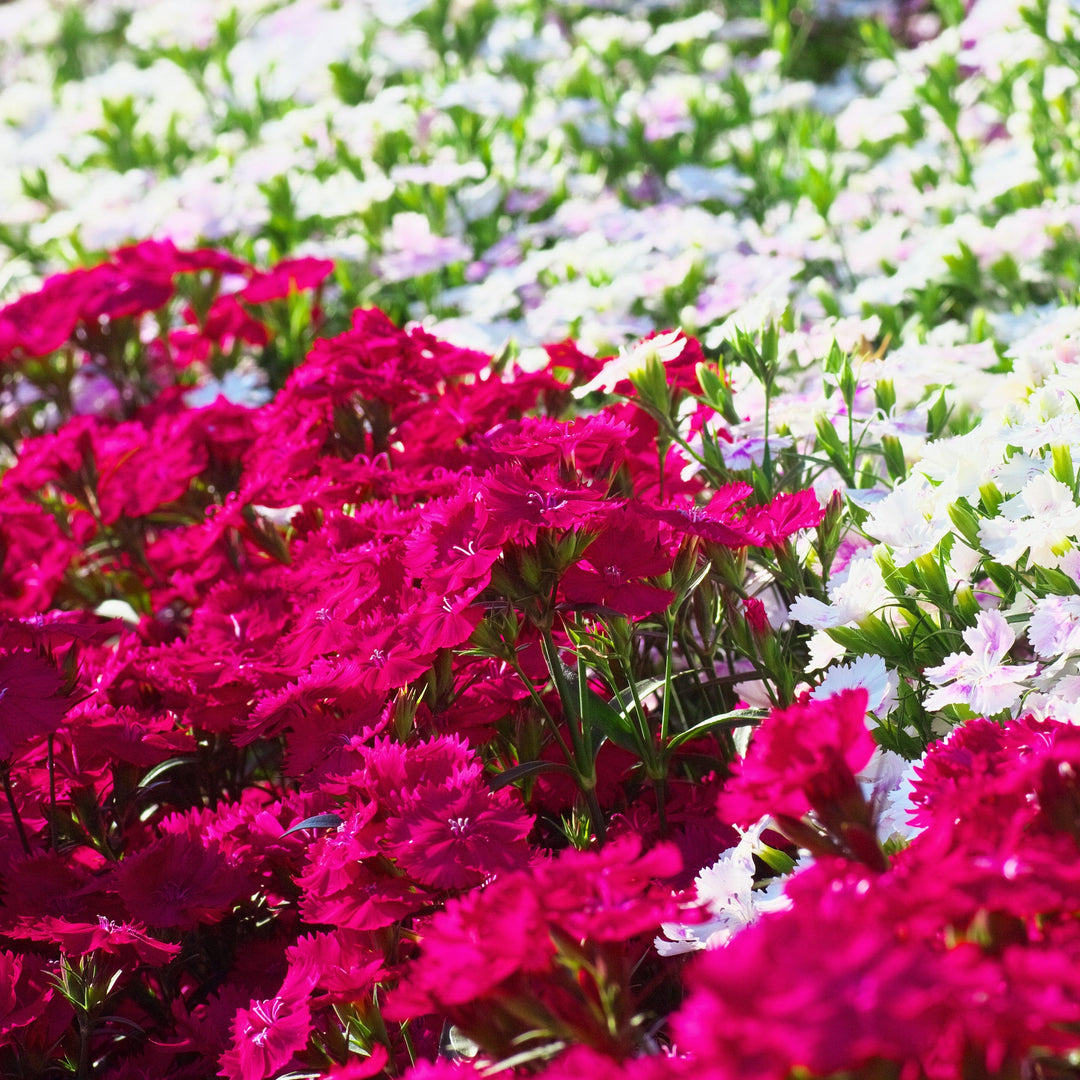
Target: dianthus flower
pixel 30 701
pixel 801 758
pixel 268 1033
pixel 980 679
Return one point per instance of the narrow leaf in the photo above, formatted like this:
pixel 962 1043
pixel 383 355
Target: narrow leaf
pixel 319 821
pixel 528 768
pixel 737 719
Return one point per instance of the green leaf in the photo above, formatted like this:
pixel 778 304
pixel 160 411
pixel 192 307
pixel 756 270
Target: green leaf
pixel 775 859
pixel 728 721
pixel 936 417
pixel 165 766
pixel 712 387
pixel 319 821
pixel 528 768
pixel 609 721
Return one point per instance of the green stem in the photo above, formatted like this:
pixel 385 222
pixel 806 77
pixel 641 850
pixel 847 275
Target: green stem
pixel 539 702
pixel 51 763
pixel 665 709
pixel 5 776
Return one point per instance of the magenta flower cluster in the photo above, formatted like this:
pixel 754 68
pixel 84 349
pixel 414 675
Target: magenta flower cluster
pixel 317 749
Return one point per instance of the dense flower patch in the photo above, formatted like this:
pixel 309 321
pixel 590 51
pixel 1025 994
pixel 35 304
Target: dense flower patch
pixel 389 718
pixel 658 659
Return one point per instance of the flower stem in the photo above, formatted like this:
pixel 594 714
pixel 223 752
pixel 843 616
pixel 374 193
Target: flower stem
pixel 5 776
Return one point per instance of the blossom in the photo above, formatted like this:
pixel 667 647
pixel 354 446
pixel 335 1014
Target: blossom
pixel 979 679
pixel 178 881
pixel 30 701
pixel 911 520
pixel 722 521
pixel 474 945
pixel 348 963
pixel 27 996
pixel 726 892
pixel 869 673
pixel 856 592
pixel 1042 519
pixel 610 572
pixel 451 839
pixel 801 758
pixel 662 348
pixel 81 938
pixel 285 277
pixel 412 249
pixel 268 1033
pixel 786 514
pixel 521 504
pixel 1054 629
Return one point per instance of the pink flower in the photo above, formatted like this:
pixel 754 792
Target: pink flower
pixel 475 945
pixel 610 572
pixel 523 504
pixel 786 514
pixel 285 277
pixel 452 839
pixel 801 758
pixel 979 679
pixel 177 881
pixel 30 701
pixel 268 1033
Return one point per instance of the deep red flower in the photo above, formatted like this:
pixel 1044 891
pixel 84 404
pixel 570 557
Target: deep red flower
pixel 268 1033
pixel 102 735
pixel 30 700
pixel 520 504
pixel 284 277
pixel 178 881
pixel 610 573
pixel 228 322
pixel 83 938
pixel 361 1068
pixel 344 884
pixel 786 514
pixel 801 758
pixel 28 998
pixel 347 963
pixel 609 895
pixel 446 548
pixel 722 521
pixel 453 839
pixel 442 621
pixel 473 946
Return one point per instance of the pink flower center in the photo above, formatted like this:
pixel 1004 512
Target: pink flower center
pixel 613 576
pixel 459 825
pixel 265 1012
pixel 545 501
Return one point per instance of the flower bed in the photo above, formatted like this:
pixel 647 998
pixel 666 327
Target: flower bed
pixel 539 688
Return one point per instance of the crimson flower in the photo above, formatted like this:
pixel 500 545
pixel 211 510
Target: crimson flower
pixel 347 963
pixel 27 992
pixel 82 938
pixel 473 946
pixel 361 1068
pixel 786 514
pixel 450 839
pixel 801 758
pixel 446 549
pixel 344 884
pixel 268 1033
pixel 521 504
pixel 722 521
pixel 610 572
pixel 30 701
pixel 289 274
pixel 177 881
